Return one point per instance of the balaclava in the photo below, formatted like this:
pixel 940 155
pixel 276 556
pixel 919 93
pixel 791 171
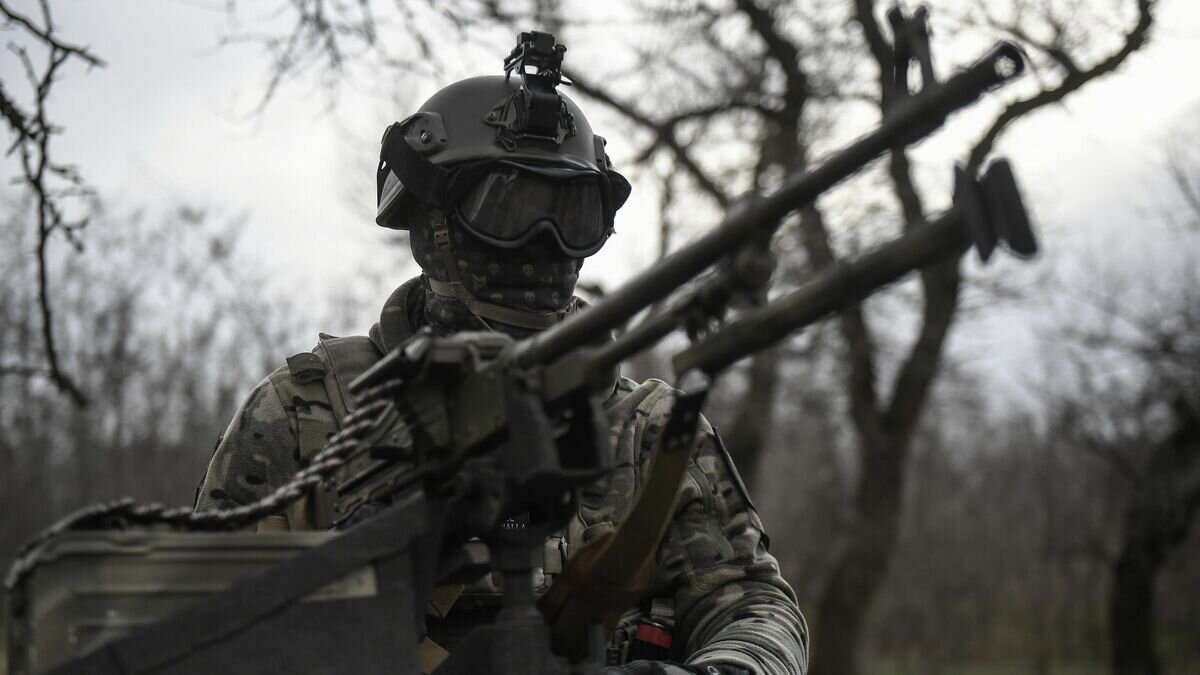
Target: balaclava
pixel 538 276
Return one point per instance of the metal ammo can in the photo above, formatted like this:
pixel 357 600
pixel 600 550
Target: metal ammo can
pixel 80 590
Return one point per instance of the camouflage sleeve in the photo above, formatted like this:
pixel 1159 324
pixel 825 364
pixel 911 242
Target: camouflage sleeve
pixel 731 604
pixel 257 453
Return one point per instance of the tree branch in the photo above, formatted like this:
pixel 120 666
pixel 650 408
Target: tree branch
pixel 941 286
pixel 46 35
pixel 17 118
pixel 1134 39
pixel 781 50
pixel 855 331
pixel 1187 184
pixel 885 58
pixel 32 133
pixel 17 370
pixel 665 207
pixel 1055 49
pixel 664 135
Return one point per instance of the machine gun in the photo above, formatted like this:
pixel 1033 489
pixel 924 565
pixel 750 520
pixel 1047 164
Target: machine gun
pixel 480 435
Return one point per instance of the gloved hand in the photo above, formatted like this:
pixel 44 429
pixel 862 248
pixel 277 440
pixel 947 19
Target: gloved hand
pixel 670 668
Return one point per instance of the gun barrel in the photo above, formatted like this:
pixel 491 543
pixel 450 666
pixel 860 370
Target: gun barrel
pixel 906 123
pixel 837 287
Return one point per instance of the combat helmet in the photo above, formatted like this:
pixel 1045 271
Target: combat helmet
pixel 511 156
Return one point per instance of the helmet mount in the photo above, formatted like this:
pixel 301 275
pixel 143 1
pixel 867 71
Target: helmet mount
pixel 535 110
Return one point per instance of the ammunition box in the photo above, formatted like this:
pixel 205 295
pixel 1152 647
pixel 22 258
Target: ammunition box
pixel 80 590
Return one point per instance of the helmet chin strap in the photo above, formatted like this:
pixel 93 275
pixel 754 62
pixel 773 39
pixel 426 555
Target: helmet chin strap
pixel 483 310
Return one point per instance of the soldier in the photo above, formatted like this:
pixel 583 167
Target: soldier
pixel 504 191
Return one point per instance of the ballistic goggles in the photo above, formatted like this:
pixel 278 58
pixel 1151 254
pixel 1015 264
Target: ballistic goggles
pixel 512 203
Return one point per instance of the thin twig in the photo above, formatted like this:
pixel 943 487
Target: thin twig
pixel 664 135
pixel 46 35
pixel 32 133
pixel 1134 39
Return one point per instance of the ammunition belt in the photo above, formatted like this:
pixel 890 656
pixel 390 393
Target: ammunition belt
pixel 125 513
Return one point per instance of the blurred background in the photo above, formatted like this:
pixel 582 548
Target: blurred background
pixel 985 469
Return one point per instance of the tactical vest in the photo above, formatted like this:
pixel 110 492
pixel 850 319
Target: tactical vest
pixel 320 379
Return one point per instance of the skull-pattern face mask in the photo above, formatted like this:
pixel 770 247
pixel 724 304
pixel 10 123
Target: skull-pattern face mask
pixel 535 277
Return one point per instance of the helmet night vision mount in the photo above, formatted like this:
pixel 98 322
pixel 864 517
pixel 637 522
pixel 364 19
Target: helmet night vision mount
pixel 536 110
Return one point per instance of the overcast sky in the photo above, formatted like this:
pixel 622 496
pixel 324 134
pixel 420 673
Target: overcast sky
pixel 172 119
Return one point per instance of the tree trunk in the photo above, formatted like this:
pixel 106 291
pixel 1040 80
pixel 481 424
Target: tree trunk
pixel 748 434
pixel 885 429
pixel 862 564
pixel 1131 609
pixel 1164 505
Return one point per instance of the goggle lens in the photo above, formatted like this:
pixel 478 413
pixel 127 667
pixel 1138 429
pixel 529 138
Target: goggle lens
pixel 508 206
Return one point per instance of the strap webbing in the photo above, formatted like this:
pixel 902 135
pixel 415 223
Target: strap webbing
pixel 431 655
pixel 302 387
pixel 612 572
pixel 255 600
pixel 347 357
pixel 487 310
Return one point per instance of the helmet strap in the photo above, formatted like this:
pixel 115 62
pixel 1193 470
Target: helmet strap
pixel 483 310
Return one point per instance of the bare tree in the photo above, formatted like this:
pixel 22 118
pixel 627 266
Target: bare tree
pixel 1132 355
pixel 886 424
pixel 176 322
pixel 53 183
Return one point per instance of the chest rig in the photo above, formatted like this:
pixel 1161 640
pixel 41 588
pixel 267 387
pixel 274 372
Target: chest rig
pixel 315 387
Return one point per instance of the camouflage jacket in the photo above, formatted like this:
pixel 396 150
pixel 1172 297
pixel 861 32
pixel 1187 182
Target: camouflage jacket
pixel 715 583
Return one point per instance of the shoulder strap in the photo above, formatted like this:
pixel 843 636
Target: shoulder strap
pixel 345 359
pixel 300 387
pixel 315 384
pixel 610 574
